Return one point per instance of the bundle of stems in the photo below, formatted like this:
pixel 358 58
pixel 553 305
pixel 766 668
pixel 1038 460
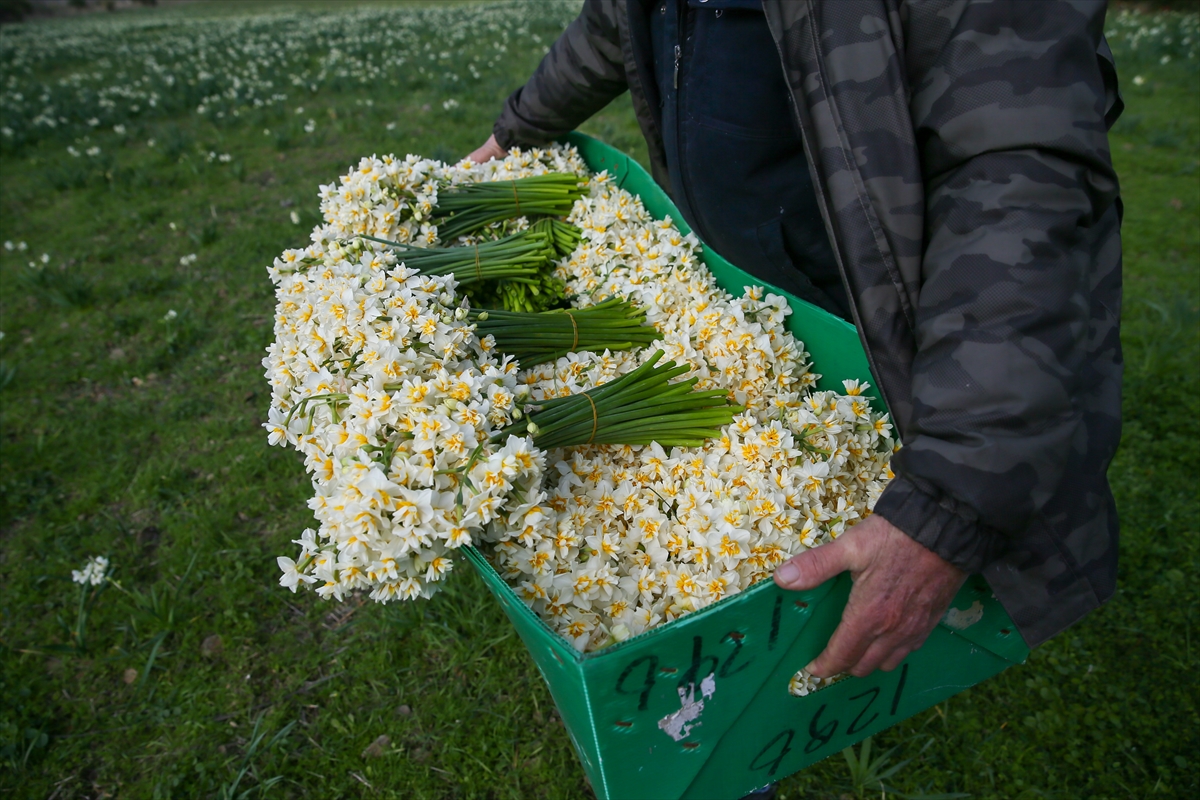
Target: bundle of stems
pixel 537 338
pixel 520 257
pixel 639 407
pixel 523 297
pixel 466 209
pixel 564 235
pixel 526 297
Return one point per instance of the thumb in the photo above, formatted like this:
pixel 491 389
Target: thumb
pixel 810 569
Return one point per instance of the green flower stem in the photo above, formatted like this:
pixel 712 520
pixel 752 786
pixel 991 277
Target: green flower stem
pixel 520 257
pixel 637 408
pixel 541 337
pixel 465 209
pixel 330 398
pixel 564 235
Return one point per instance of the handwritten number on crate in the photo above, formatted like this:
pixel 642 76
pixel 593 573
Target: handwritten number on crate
pixel 737 640
pixel 642 691
pixel 693 674
pixel 819 736
pixel 776 613
pixel 821 733
pixel 766 752
pixel 873 693
pixel 899 689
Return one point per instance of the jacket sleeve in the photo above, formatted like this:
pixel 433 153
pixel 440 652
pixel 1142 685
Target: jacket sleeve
pixel 1015 320
pixel 583 72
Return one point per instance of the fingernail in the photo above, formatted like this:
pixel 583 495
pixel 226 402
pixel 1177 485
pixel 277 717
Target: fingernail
pixel 787 573
pixel 809 669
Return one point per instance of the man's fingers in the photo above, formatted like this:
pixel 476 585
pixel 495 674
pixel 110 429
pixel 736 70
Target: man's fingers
pixel 810 569
pixel 491 149
pixel 885 654
pixel 896 658
pixel 845 649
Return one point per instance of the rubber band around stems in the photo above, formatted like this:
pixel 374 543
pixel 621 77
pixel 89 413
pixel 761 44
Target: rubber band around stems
pixel 478 273
pixel 592 403
pixel 516 199
pixel 575 337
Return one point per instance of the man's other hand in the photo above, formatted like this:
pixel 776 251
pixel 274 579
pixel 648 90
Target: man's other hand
pixel 901 590
pixel 489 151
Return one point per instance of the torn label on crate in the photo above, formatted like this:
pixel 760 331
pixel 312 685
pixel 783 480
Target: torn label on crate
pixel 679 724
pixel 962 618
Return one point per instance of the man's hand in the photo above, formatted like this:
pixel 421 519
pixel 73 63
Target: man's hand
pixel 489 151
pixel 901 590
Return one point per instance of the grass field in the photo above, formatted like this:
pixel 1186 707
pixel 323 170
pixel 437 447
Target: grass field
pixel 133 432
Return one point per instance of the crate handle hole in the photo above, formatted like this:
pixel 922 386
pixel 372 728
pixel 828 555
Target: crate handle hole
pixel 690 745
pixel 801 604
pixel 668 670
pixel 622 723
pixel 1005 631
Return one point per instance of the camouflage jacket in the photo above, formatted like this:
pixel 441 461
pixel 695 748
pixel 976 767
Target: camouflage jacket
pixel 960 155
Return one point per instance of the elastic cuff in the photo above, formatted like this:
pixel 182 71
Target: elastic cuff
pixel 504 137
pixel 940 523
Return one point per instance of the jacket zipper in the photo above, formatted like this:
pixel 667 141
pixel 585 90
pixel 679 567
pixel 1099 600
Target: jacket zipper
pixel 826 214
pixel 682 31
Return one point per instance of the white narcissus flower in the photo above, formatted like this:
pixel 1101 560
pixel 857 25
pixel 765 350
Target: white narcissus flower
pixel 291 577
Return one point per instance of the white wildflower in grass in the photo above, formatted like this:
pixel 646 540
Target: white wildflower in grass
pixel 45 258
pixel 93 572
pixel 74 152
pixel 1138 80
pixel 450 104
pixel 295 217
pixel 310 126
pixel 170 315
pixel 151 142
pixel 8 245
pixel 225 158
pixel 93 151
pixel 189 259
pixel 119 130
pixel 21 247
pixel 256 62
pixel 603 541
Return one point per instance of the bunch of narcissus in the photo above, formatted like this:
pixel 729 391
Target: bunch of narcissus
pixel 642 448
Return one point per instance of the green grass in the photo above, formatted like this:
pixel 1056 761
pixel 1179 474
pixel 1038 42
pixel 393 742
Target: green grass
pixel 136 437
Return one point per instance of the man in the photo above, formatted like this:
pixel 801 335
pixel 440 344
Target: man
pixel 936 171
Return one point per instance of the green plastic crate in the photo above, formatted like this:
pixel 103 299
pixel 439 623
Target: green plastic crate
pixel 718 678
